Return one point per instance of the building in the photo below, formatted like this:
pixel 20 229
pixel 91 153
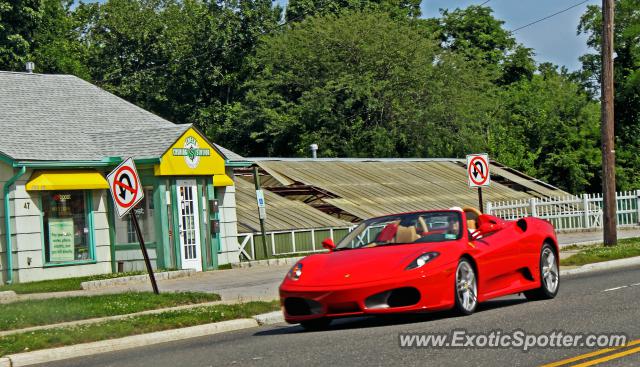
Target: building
pixel 338 192
pixel 59 137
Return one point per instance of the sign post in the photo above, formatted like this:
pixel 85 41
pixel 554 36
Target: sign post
pixel 126 191
pixel 478 174
pixel 262 213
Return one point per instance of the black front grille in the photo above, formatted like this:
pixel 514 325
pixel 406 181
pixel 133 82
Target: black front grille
pixel 296 306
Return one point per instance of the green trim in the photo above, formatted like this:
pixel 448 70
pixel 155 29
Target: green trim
pixel 163 251
pixel 88 203
pixel 135 246
pixel 238 164
pixel 215 239
pixel 107 162
pixel 147 161
pixel 112 233
pixel 70 263
pixel 176 232
pixel 6 159
pixel 44 258
pixel 88 195
pixel 62 164
pixel 7 223
pixel 202 225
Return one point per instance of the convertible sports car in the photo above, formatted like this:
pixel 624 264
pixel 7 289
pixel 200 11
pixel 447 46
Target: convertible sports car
pixel 422 261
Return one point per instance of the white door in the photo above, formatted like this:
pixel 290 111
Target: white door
pixel 189 225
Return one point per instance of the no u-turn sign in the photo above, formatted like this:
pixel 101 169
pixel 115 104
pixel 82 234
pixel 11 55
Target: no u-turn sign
pixel 478 170
pixel 125 187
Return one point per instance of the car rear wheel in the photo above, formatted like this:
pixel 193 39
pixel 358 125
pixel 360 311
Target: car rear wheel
pixel 316 324
pixel 466 288
pixel 549 276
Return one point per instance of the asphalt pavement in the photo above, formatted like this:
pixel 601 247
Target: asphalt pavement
pixel 602 302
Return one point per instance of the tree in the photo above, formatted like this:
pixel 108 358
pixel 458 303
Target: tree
pixel 18 22
pixel 627 82
pixel 361 84
pixel 56 46
pixel 549 128
pixel 298 10
pixel 184 60
pixel 477 35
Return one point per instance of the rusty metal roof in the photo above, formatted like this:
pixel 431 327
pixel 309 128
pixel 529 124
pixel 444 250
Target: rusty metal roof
pixel 282 214
pixel 370 187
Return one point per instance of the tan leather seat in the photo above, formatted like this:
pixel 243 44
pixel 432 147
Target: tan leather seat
pixel 406 234
pixel 423 225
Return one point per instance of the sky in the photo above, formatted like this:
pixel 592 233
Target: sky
pixel 554 40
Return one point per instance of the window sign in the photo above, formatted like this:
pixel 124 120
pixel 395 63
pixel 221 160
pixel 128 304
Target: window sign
pixel 61 239
pixel 66 226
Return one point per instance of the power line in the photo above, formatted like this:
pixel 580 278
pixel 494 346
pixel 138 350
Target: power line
pixel 550 16
pixel 485 2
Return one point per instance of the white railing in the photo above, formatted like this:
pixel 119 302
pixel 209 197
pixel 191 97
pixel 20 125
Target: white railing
pixel 571 212
pixel 247 241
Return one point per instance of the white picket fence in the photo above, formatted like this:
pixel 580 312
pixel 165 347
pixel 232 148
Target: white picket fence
pixel 571 212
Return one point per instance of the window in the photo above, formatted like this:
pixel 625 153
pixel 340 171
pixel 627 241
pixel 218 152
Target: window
pixel 125 230
pixel 66 227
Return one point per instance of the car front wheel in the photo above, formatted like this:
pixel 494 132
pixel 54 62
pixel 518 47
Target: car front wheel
pixel 466 288
pixel 549 276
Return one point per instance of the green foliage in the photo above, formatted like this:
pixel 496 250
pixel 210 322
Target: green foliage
pixel 593 254
pixel 135 325
pixel 548 128
pixel 361 84
pixel 627 82
pixel 19 315
pixel 18 23
pixel 298 10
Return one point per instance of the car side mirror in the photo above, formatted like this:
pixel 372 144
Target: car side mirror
pixel 328 244
pixel 487 227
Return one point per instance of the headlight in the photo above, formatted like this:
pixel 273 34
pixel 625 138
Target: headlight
pixel 295 272
pixel 421 260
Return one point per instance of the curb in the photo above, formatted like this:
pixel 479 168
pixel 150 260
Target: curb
pixel 605 265
pixel 270 318
pixel 269 262
pixel 134 341
pixel 97 284
pixel 8 297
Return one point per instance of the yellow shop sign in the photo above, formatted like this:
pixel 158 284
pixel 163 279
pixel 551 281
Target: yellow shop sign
pixel 190 155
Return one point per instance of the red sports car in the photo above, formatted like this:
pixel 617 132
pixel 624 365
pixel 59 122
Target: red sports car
pixel 423 261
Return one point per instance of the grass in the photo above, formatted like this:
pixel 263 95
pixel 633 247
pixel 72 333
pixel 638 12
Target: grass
pixel 24 314
pixel 66 284
pixel 42 339
pixel 594 254
pixel 61 285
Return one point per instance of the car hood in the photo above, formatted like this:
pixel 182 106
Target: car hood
pixel 358 265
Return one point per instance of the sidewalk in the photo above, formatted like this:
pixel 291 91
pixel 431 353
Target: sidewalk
pixel 260 283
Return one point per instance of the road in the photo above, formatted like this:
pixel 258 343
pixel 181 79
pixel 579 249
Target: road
pixel 586 304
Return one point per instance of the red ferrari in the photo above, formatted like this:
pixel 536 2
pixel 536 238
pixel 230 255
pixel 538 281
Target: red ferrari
pixel 423 261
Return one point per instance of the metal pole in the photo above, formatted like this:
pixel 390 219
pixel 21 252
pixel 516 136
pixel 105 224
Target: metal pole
pixel 607 127
pixel 147 262
pixel 256 180
pixel 480 206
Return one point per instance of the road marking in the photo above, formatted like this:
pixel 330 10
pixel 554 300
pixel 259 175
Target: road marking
pixel 621 287
pixel 616 288
pixel 593 354
pixel 608 358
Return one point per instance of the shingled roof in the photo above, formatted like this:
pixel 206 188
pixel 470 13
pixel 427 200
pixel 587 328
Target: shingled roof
pixel 64 118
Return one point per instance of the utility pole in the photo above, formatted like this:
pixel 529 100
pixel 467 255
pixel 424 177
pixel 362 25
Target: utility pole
pixel 608 148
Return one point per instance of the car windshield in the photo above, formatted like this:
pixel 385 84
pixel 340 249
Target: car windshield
pixel 405 229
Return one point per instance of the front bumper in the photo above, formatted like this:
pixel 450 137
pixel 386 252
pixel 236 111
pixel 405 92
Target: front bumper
pixel 413 293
